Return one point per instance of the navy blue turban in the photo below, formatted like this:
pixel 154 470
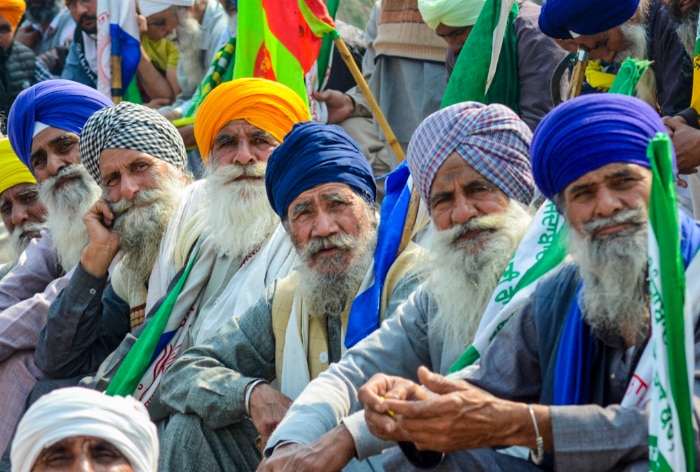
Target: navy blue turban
pixel 588 132
pixel 559 17
pixel 59 103
pixel 313 154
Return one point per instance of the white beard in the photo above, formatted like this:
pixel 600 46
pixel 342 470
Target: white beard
pixel 65 208
pixel 239 218
pixel 18 241
pixel 189 32
pixel 636 37
pixel 331 292
pixel 141 229
pixel 613 270
pixel 462 280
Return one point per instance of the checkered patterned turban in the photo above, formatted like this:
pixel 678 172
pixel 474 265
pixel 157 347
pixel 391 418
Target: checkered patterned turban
pixel 133 127
pixel 491 138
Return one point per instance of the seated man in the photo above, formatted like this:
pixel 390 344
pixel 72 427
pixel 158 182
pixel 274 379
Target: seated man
pixel 139 159
pixel 322 188
pixel 80 429
pixel 477 196
pixel 590 157
pixel 537 55
pixel 44 129
pixel 22 213
pixel 616 30
pixel 243 247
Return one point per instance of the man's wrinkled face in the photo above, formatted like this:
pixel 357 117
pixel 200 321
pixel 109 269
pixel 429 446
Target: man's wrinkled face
pixel 593 201
pixel 52 150
pixel 239 142
pixel 454 36
pixel 604 46
pixel 126 172
pixel 84 12
pixel 327 225
pixel 6 33
pixel 82 453
pixel 161 24
pixel 22 210
pixel 459 197
pixel 677 9
pixel 42 11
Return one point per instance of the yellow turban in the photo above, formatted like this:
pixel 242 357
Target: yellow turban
pixel 12 11
pixel 12 171
pixel 265 104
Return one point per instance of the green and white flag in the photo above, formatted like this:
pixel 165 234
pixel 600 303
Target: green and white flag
pixel 671 444
pixel 542 248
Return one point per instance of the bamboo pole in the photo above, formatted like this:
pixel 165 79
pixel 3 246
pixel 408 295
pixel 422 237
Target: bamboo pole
pixel 579 72
pixel 374 106
pixel 412 212
pixel 117 90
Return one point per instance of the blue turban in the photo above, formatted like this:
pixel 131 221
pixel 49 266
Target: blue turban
pixel 59 103
pixel 559 17
pixel 313 154
pixel 588 132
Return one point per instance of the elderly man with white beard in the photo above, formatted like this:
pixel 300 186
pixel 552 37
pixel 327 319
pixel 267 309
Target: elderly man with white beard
pixel 44 127
pixel 139 159
pixel 614 30
pixel 23 215
pixel 322 187
pixel 471 166
pixel 563 377
pixel 242 246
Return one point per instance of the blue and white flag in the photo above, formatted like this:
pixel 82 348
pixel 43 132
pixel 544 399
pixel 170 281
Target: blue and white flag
pixel 118 42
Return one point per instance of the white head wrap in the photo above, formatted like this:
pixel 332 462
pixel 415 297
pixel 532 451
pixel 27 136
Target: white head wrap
pixel 151 7
pixel 77 411
pixel 454 13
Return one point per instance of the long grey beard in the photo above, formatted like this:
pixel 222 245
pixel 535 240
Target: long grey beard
pixel 636 38
pixel 65 208
pixel 687 24
pixel 141 229
pixel 462 281
pixel 613 271
pixel 239 218
pixel 189 32
pixel 332 292
pixel 18 242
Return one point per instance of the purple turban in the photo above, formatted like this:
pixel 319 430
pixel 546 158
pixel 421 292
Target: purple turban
pixel 558 18
pixel 588 132
pixel 491 138
pixel 59 103
pixel 313 154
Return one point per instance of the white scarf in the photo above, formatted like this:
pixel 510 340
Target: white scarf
pixel 295 367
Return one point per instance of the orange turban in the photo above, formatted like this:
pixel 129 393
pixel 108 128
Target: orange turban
pixel 12 11
pixel 265 104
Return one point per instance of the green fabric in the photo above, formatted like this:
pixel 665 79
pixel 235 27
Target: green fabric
pixel 130 372
pixel 324 56
pixel 220 70
pixel 663 217
pixel 468 79
pixel 132 93
pixel 628 76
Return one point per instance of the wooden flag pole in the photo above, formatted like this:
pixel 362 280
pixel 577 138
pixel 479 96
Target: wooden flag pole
pixel 374 106
pixel 117 91
pixel 412 212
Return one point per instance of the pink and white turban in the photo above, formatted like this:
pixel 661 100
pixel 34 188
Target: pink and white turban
pixel 491 138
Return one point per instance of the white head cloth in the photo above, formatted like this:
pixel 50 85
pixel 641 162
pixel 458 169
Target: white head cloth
pixel 151 7
pixel 77 411
pixel 455 13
